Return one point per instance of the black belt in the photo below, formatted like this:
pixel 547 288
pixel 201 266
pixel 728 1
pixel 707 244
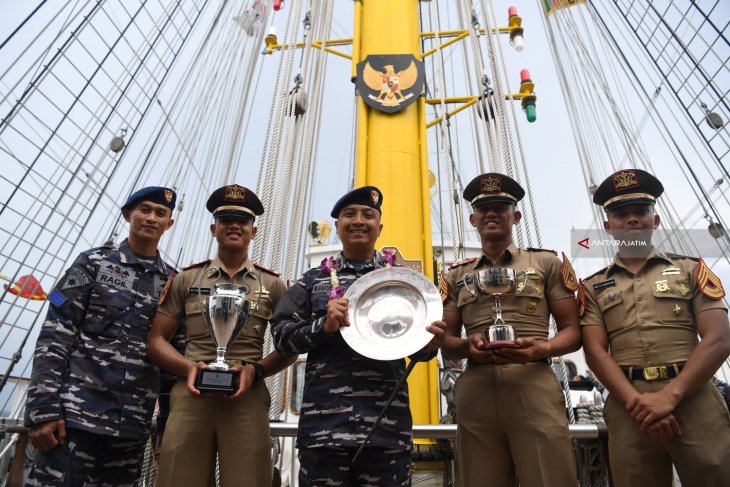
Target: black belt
pixel 660 372
pixel 470 363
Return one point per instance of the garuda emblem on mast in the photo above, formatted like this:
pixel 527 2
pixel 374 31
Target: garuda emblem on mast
pixel 391 82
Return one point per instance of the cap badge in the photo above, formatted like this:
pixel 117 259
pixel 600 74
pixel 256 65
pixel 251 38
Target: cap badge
pixel 625 180
pixel 490 184
pixel 374 197
pixel 168 195
pixel 235 192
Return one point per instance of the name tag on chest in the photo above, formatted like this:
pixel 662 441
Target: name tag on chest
pixel 604 284
pixel 115 275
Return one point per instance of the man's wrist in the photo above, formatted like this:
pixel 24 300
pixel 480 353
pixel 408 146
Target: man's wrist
pixel 258 373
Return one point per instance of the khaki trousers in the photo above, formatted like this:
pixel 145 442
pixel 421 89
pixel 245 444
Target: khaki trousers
pixel 237 429
pixel 701 454
pixel 512 427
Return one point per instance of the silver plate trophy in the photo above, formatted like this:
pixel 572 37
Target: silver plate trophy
pixel 389 310
pixel 496 282
pixel 227 311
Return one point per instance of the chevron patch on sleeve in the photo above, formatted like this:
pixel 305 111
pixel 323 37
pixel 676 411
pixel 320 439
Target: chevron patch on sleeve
pixel 567 275
pixel 708 282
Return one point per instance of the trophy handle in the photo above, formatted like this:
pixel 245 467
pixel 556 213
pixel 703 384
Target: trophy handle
pixel 520 279
pixel 466 284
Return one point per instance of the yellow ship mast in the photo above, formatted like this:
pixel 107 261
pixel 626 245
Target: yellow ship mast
pixel 392 154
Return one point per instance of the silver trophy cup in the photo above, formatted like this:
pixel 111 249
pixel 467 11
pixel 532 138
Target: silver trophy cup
pixel 227 311
pixel 496 282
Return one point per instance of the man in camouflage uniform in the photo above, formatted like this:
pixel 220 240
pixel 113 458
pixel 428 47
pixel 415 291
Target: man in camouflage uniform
pixel 510 409
pixel 343 391
pixel 641 317
pixel 236 427
pixel 93 389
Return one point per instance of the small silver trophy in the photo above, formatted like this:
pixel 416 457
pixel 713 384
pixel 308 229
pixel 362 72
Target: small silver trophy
pixel 496 282
pixel 226 313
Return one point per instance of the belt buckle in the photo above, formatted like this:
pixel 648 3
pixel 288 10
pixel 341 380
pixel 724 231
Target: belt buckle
pixel 656 373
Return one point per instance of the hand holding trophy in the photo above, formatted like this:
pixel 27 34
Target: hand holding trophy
pixel 227 311
pixel 496 282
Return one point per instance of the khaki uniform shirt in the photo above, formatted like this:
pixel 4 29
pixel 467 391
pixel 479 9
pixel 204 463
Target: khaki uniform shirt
pixel 649 316
pixel 183 301
pixel 527 311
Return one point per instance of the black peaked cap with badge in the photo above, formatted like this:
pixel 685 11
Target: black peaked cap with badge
pixel 155 194
pixel 367 196
pixel 493 187
pixel 627 187
pixel 234 200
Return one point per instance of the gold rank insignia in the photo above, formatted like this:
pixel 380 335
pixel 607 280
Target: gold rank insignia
pixel 257 327
pixel 662 286
pixel 581 299
pixel 708 282
pixel 671 271
pixel 677 309
pixel 262 292
pixel 531 306
pixel 539 287
pixel 567 275
pixel 682 288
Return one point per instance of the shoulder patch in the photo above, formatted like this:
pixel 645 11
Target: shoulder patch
pixel 197 264
pixel 56 298
pixel 567 275
pixel 581 299
pixel 165 290
pixel 680 256
pixel 535 249
pixel 270 271
pixel 708 282
pixel 463 262
pixel 443 286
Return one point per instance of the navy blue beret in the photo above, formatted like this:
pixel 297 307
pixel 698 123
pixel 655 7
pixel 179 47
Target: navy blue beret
pixel 367 196
pixel 155 194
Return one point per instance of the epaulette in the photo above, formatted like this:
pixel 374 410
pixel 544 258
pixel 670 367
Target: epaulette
pixel 679 256
pixel 262 268
pixel 197 264
pixel 534 249
pixel 594 274
pixel 463 262
pixel 107 245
